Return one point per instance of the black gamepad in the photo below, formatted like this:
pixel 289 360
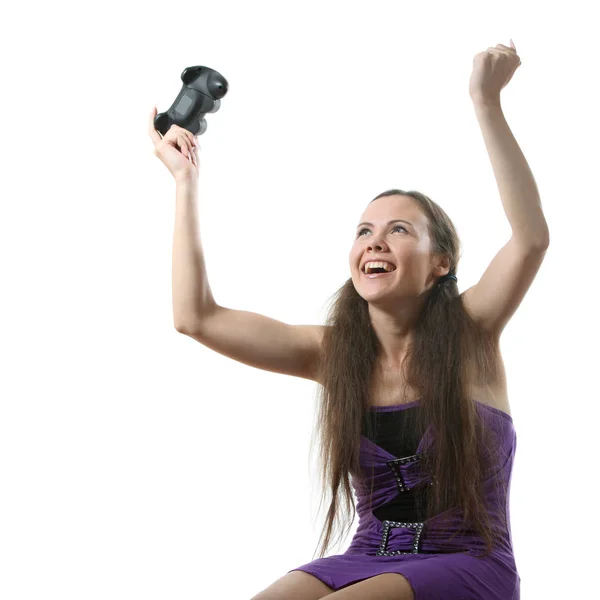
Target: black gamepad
pixel 201 93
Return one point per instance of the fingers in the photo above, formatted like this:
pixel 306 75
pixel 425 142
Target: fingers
pixel 184 144
pixel 503 47
pixel 190 152
pixel 187 143
pixel 188 134
pixel 155 135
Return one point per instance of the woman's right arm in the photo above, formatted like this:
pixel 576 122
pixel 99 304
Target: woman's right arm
pixel 247 337
pixel 192 297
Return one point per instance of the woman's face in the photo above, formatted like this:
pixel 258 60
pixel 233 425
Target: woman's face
pixel 404 243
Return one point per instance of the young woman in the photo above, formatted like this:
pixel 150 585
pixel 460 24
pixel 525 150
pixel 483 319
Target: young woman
pixel 414 415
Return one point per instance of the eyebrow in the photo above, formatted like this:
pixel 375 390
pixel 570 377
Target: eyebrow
pixel 389 222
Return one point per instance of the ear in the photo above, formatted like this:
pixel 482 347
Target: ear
pixel 442 265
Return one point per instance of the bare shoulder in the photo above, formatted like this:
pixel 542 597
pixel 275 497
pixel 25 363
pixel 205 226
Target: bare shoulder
pixel 493 393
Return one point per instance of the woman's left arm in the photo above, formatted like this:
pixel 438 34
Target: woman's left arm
pixel 492 70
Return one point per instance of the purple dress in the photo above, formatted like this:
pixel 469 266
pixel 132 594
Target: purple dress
pixel 436 568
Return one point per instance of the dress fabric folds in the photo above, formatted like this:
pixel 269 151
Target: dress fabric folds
pixel 435 567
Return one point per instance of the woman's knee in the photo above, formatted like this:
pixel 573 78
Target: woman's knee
pixel 295 585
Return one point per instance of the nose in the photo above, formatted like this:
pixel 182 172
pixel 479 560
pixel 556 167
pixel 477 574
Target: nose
pixel 375 244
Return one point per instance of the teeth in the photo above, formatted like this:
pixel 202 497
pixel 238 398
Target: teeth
pixel 378 264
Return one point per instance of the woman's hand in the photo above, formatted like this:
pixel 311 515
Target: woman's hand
pixel 492 70
pixel 178 150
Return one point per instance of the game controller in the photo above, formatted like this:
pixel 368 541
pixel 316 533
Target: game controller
pixel 201 93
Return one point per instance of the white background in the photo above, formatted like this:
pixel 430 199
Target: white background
pixel 136 463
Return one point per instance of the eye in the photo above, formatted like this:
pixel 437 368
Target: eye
pixel 367 229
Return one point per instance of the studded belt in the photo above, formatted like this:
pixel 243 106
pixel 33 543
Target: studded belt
pixel 404 482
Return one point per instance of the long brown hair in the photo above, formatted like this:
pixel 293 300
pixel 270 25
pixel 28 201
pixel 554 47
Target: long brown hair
pixel 446 340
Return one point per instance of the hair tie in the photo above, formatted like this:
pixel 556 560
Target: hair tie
pixel 448 276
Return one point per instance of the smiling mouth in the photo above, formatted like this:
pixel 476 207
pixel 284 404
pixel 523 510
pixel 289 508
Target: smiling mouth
pixel 378 270
pixel 375 275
